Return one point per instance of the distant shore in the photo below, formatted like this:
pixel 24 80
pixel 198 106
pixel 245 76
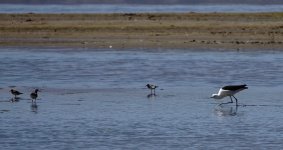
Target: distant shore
pixel 144 30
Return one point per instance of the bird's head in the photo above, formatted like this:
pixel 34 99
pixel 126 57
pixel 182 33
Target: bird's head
pixel 36 90
pixel 215 96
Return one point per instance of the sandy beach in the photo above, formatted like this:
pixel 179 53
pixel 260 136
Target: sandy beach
pixel 145 30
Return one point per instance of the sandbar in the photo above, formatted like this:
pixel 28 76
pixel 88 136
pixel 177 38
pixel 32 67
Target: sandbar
pixel 144 30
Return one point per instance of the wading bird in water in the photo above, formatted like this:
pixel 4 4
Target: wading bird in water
pixel 34 95
pixel 15 93
pixel 152 88
pixel 230 91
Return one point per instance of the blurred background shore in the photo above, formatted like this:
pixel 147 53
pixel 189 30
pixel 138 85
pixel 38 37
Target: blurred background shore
pixel 144 30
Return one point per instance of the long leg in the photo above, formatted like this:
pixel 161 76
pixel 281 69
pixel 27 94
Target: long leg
pixel 231 99
pixel 236 100
pixel 228 102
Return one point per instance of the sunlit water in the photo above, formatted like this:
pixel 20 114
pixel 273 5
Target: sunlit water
pixel 91 8
pixel 96 99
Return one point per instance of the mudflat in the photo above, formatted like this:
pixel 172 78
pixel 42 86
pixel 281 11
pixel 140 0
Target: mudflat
pixel 144 30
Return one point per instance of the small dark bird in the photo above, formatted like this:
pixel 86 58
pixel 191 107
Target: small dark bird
pixel 34 95
pixel 15 92
pixel 229 90
pixel 151 87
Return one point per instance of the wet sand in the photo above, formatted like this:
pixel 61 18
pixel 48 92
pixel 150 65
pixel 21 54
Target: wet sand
pixel 166 30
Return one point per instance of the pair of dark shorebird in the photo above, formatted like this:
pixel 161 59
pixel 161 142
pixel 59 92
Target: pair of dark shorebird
pixel 33 95
pixel 225 91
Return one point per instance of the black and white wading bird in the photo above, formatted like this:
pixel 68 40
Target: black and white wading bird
pixel 152 88
pixel 15 93
pixel 34 95
pixel 229 90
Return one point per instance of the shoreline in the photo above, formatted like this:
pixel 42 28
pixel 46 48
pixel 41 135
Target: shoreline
pixel 144 30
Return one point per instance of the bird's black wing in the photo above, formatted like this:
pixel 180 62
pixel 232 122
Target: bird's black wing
pixel 234 87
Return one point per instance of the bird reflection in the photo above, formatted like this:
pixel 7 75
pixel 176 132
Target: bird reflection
pixel 34 107
pixel 151 95
pixel 15 99
pixel 221 110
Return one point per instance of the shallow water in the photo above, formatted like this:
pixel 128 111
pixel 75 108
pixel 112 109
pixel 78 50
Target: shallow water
pixel 100 8
pixel 96 99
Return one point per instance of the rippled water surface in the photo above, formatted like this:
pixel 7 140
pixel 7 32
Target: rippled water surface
pixel 96 99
